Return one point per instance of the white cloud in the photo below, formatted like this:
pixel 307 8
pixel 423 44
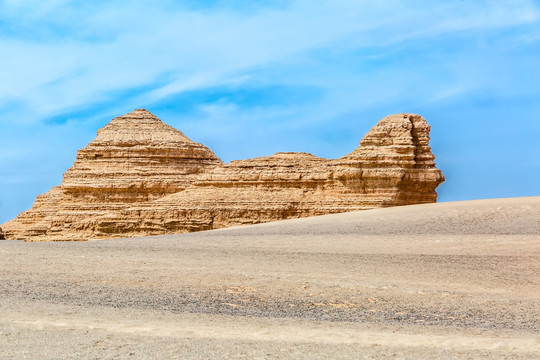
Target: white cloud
pixel 119 45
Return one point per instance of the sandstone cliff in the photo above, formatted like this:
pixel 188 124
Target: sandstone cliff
pixel 157 181
pixel 134 159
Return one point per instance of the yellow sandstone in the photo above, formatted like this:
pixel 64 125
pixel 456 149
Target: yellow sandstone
pixel 143 177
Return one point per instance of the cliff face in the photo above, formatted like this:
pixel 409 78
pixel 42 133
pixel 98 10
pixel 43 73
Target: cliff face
pixel 157 181
pixel 134 159
pixel 395 159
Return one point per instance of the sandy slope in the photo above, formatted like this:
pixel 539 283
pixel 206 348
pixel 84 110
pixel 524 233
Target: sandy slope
pixel 449 280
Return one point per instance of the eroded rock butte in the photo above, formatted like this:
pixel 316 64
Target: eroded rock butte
pixel 143 177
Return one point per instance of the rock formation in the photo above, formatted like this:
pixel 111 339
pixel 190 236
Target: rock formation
pixel 142 177
pixel 134 159
pixel 1 234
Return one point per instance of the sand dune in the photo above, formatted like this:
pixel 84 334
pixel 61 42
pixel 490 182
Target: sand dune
pixel 449 280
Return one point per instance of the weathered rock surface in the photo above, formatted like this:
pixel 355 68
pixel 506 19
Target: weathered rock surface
pixel 35 222
pixel 1 234
pixel 154 180
pixel 134 159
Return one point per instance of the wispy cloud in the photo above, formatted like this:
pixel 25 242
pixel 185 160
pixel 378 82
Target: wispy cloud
pixel 61 55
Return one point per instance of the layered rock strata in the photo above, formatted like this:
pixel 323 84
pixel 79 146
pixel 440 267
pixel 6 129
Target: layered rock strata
pixel 392 166
pixel 134 159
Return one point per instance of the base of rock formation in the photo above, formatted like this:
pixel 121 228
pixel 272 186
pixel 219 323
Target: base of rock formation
pixel 142 177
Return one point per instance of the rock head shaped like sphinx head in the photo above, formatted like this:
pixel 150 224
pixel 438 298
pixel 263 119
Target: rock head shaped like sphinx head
pixel 143 177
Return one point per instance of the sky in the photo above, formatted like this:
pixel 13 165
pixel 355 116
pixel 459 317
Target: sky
pixel 251 78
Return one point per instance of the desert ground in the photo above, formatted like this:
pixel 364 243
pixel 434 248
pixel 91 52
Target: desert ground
pixel 454 280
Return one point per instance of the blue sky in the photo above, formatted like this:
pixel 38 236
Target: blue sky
pixel 250 78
